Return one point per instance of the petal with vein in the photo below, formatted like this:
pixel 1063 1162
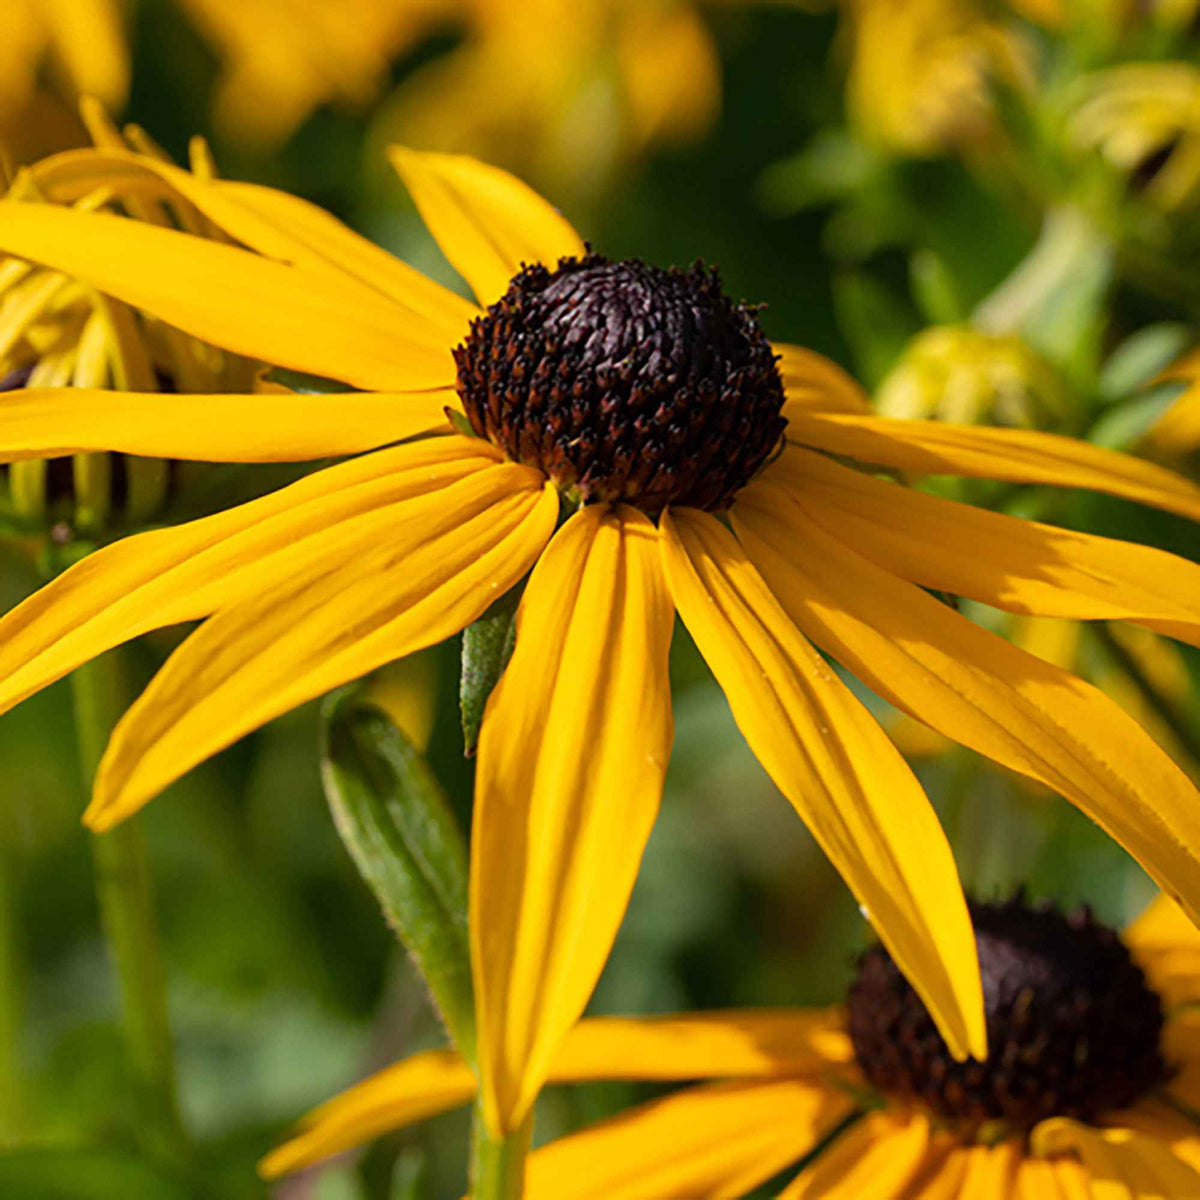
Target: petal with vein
pixel 978 689
pixel 1015 455
pixel 165 576
pixel 212 427
pixel 442 565
pixel 748 1044
pixel 1022 566
pixel 487 222
pixel 246 303
pixel 1122 1162
pixel 875 1159
pixel 575 743
pixel 813 383
pixel 717 1141
pixel 829 757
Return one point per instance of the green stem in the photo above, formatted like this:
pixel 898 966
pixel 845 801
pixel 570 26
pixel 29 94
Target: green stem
pixel 125 894
pixel 1168 712
pixel 498 1164
pixel 11 1003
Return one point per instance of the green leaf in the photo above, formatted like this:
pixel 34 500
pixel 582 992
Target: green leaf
pixel 875 321
pixel 1140 357
pixel 397 824
pixel 487 645
pixel 69 1174
pixel 310 385
pixel 1122 426
pixel 934 288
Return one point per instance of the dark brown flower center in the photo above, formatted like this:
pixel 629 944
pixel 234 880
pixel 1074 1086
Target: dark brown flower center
pixel 623 381
pixel 1073 1029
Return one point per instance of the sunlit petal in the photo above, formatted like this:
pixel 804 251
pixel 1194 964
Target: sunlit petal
pixel 978 689
pixel 1125 1162
pixel 442 565
pixel 814 384
pixel 829 757
pixel 1167 947
pixel 487 222
pixel 717 1141
pixel 574 746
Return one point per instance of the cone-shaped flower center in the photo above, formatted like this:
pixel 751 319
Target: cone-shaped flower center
pixel 1073 1029
pixel 623 381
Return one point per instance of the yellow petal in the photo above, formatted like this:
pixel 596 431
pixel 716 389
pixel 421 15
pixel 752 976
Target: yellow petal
pixel 1181 1049
pixel 755 1043
pixel 1015 455
pixel 487 222
pixel 211 427
pixel 943 1171
pixel 991 1171
pixel 1036 1179
pixel 418 1087
pixel 1167 947
pixel 1022 566
pixel 717 1141
pixel 829 757
pixel 1177 431
pixel 165 576
pixel 574 746
pixel 1121 1162
pixel 294 318
pixel 977 688
pixel 90 44
pixel 814 384
pixel 874 1159
pixel 442 565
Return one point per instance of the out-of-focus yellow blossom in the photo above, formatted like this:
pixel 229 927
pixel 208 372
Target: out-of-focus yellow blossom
pixel 1176 434
pixel 1106 14
pixel 284 58
pixel 919 72
pixel 533 82
pixel 57 332
pixel 1134 112
pixel 956 373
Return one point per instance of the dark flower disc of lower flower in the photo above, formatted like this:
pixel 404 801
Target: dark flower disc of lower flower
pixel 1073 1029
pixel 624 381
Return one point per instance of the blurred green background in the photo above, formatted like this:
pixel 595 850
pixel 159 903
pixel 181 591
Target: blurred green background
pixel 285 984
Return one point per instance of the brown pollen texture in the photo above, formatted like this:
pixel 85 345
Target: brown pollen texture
pixel 625 382
pixel 1073 1028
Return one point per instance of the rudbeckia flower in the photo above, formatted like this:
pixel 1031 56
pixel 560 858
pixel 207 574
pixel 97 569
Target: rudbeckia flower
pixel 635 447
pixel 1095 1062
pixel 56 331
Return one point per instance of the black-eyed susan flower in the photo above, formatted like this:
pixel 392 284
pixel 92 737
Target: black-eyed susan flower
pixel 56 331
pixel 691 474
pixel 1090 1090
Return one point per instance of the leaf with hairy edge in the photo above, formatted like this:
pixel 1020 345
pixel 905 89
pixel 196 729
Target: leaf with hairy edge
pixel 487 645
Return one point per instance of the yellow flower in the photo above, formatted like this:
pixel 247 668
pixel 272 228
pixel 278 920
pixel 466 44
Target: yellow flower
pixel 1138 111
pixel 80 41
pixel 654 399
pixel 56 330
pixel 533 82
pixel 281 61
pixel 1107 15
pixel 956 373
pixel 1079 1099
pixel 1176 434
pixel 919 72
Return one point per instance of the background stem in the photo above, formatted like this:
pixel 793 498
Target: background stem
pixel 124 892
pixel 498 1165
pixel 12 992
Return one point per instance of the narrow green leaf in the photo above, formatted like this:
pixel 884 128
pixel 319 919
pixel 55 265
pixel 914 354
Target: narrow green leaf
pixel 487 645
pixel 934 288
pixel 397 824
pixel 1140 357
pixel 310 385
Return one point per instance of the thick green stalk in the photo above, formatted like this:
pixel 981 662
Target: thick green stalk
pixel 498 1164
pixel 124 891
pixel 12 988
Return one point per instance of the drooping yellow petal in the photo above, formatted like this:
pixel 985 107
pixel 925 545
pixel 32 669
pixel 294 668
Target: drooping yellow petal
pixel 751 1044
pixel 874 1159
pixel 1181 1049
pixel 1022 566
pixel 827 754
pixel 1036 1179
pixel 442 565
pixel 1166 946
pixel 276 224
pixel 409 1091
pixel 943 1170
pixel 212 427
pixel 487 222
pixel 1177 431
pixel 1143 1166
pixel 1015 455
pixel 305 320
pixel 165 576
pixel 977 688
pixel 717 1141
pixel 991 1171
pixel 815 384
pixel 90 44
pixel 574 746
